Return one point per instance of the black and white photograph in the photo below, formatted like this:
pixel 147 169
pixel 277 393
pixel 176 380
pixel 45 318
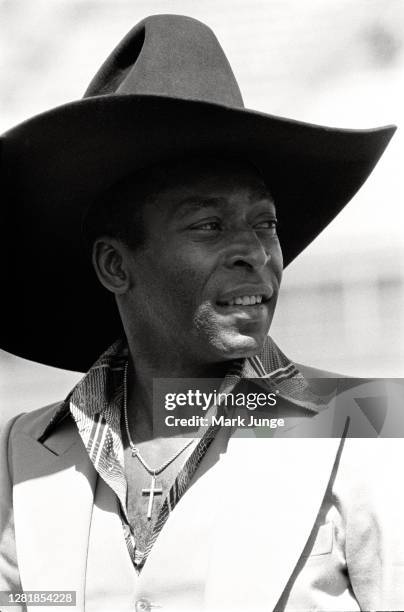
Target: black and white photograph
pixel 202 340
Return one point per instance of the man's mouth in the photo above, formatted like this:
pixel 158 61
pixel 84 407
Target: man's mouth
pixel 248 295
pixel 244 300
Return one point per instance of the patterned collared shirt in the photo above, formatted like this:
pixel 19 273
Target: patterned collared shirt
pixel 96 402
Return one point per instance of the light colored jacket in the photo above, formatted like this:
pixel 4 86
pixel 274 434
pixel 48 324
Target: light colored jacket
pixel 268 524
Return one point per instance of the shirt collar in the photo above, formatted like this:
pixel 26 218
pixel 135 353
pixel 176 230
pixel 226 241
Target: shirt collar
pixel 100 390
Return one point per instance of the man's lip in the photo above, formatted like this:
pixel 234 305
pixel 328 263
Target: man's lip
pixel 241 291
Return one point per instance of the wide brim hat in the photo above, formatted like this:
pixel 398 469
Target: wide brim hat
pixel 166 91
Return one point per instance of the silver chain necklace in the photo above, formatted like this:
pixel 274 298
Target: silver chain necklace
pixel 154 472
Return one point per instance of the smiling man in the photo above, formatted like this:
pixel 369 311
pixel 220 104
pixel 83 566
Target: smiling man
pixel 209 268
pixel 177 189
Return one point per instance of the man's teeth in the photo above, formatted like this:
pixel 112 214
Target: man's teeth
pixel 245 300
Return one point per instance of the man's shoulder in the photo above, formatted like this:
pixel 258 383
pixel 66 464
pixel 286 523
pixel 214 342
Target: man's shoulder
pixel 311 372
pixel 35 422
pixel 321 382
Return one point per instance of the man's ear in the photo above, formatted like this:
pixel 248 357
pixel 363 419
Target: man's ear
pixel 110 260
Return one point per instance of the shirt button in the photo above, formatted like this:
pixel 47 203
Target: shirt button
pixel 142 605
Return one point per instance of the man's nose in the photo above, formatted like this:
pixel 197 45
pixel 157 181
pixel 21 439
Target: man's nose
pixel 246 249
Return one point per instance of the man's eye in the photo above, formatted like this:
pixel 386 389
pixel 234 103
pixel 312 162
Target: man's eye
pixel 208 226
pixel 269 224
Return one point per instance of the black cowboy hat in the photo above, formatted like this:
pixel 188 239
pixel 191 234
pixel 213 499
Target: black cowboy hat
pixel 167 90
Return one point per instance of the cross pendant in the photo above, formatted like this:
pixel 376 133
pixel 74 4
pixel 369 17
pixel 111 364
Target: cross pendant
pixel 152 492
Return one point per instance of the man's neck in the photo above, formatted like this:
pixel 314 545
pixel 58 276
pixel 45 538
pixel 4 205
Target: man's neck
pixel 145 366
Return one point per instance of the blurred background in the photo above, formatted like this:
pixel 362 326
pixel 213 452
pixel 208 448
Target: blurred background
pixel 339 63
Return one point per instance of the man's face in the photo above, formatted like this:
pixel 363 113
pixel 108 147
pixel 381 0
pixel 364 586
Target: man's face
pixel 207 278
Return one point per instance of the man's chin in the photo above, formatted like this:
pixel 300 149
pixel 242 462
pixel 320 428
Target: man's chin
pixel 242 347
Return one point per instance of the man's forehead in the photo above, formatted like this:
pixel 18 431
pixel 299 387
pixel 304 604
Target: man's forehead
pixel 207 182
pixel 190 183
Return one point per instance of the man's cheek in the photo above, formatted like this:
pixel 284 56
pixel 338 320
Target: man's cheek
pixel 180 295
pixel 277 262
pixel 187 279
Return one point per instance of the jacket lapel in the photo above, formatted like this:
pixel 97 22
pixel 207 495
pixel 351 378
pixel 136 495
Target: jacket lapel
pixel 53 498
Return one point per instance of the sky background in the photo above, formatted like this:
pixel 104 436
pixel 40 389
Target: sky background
pixel 335 62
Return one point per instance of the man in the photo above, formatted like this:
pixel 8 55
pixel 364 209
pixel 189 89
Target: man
pixel 178 189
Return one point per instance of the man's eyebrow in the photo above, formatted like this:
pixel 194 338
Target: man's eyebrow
pixel 261 193
pixel 192 203
pixel 187 205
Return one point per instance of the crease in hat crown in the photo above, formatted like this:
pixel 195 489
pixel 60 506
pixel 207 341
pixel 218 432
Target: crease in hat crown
pixel 169 55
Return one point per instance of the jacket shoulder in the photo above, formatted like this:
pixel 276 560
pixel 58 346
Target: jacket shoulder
pixel 321 382
pixel 311 372
pixel 33 423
